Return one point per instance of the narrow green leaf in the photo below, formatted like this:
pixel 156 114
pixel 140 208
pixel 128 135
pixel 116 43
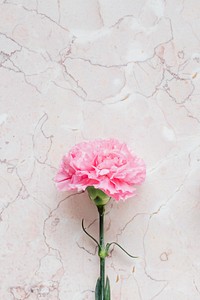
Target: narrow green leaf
pixel 107 289
pixel 109 244
pixel 98 290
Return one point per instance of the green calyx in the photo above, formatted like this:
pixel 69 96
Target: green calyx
pixel 97 196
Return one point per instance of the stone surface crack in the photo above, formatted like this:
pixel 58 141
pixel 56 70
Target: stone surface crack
pixel 39 128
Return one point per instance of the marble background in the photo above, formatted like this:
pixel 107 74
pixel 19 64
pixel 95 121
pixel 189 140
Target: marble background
pixel 78 70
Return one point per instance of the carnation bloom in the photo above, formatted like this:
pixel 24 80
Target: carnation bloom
pixel 107 165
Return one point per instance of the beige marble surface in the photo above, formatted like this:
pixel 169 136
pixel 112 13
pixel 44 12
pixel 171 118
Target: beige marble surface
pixel 77 70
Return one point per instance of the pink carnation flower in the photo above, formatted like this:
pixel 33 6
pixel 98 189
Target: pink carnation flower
pixel 107 165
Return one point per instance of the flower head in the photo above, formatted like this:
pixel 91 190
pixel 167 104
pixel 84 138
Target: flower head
pixel 107 165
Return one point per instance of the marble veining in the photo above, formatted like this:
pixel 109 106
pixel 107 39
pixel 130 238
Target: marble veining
pixel 79 70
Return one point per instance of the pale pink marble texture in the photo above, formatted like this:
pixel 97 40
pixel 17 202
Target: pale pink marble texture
pixel 77 70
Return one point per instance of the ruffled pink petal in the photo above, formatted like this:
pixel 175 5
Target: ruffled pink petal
pixel 105 164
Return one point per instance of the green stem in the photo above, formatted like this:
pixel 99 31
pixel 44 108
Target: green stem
pixel 101 250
